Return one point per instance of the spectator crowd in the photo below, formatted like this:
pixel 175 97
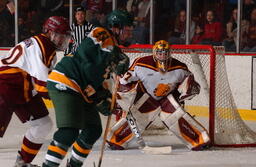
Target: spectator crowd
pixel 213 22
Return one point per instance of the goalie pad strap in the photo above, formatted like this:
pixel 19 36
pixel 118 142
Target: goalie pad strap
pixel 174 103
pixel 141 101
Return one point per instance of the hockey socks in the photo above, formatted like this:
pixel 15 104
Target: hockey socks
pixel 29 150
pixel 56 152
pixel 63 138
pixel 83 145
pixel 80 151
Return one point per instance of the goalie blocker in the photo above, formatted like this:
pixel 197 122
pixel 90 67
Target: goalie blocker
pixel 173 116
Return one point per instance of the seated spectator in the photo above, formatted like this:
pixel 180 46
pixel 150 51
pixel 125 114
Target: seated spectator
pixel 100 19
pixel 178 36
pixel 141 30
pixel 33 17
pixel 7 37
pixel 248 6
pixel 231 31
pixel 92 6
pixel 132 7
pixel 212 30
pixel 23 29
pixel 198 34
pixel 251 35
pixel 122 4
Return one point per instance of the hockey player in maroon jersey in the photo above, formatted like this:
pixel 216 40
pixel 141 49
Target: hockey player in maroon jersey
pixel 23 75
pixel 156 86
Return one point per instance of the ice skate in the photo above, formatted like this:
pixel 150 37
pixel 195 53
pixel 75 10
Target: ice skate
pixel 20 163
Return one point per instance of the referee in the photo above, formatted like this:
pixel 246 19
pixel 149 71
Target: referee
pixel 79 30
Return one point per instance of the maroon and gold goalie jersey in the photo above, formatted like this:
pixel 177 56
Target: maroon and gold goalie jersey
pixel 145 70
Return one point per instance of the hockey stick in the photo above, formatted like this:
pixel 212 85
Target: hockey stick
pixel 113 100
pixel 142 145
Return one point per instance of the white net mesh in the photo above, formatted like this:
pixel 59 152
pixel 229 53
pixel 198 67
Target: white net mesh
pixel 226 126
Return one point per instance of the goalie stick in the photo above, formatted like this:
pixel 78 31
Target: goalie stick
pixel 142 145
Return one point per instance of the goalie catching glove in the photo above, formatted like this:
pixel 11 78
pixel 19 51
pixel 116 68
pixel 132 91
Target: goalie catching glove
pixel 188 88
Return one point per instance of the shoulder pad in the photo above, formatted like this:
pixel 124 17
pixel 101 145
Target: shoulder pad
pixel 102 37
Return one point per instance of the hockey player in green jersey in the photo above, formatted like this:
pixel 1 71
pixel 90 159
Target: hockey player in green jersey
pixel 76 89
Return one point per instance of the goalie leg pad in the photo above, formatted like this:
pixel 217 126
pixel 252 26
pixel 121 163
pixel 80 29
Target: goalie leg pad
pixel 120 135
pixel 126 98
pixel 145 110
pixel 144 120
pixel 184 126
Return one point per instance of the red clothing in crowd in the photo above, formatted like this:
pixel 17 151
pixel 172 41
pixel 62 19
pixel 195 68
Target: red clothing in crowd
pixel 196 39
pixel 252 35
pixel 95 5
pixel 213 32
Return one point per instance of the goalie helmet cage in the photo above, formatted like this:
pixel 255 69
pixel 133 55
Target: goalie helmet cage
pixel 226 127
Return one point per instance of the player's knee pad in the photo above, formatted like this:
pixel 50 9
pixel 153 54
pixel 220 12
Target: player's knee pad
pixel 39 129
pixel 66 136
pixel 91 134
pixel 120 135
pixel 184 126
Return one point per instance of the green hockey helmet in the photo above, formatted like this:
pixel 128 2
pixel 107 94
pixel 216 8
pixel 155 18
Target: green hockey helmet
pixel 119 18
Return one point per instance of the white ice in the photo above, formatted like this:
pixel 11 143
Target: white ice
pixel 180 157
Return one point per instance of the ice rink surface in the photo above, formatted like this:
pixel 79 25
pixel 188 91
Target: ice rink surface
pixel 180 156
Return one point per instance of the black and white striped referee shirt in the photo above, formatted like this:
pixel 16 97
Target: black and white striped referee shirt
pixel 78 32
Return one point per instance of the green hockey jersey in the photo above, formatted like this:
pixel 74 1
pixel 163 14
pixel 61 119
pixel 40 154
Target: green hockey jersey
pixel 85 70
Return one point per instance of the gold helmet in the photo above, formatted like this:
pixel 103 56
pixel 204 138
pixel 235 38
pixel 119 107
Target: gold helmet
pixel 161 54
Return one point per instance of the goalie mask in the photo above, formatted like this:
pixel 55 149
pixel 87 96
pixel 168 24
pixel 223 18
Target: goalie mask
pixel 161 54
pixel 59 31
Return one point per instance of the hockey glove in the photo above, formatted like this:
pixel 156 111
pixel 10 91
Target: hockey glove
pixel 123 65
pixel 120 61
pixel 188 88
pixel 104 107
pixel 101 94
pixel 162 90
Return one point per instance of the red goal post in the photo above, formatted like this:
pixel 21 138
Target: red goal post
pixel 226 127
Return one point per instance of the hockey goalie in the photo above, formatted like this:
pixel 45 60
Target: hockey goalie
pixel 157 86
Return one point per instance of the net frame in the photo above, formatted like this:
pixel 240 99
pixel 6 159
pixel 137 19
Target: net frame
pixel 215 53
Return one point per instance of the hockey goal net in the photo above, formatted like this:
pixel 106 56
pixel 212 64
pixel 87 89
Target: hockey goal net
pixel 225 126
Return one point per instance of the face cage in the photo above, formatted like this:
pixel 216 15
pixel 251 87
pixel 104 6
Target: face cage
pixel 163 59
pixel 61 41
pixel 162 54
